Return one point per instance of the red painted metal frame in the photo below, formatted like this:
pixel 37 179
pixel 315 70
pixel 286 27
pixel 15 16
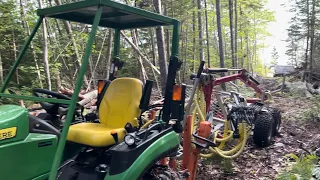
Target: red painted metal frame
pixel 241 75
pixel 186 143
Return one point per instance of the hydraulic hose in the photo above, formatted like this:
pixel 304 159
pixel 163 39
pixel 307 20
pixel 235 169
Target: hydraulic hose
pixel 233 153
pixel 227 133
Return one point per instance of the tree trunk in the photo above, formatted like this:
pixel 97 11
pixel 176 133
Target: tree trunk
pixel 231 33
pixel 183 47
pixel 143 74
pixel 215 39
pixel 248 52
pixel 154 57
pixel 109 52
pixel 93 69
pixel 56 20
pixel 57 80
pixel 45 50
pixel 185 55
pixel 140 53
pixel 161 48
pixel 1 70
pixel 241 41
pixel 34 57
pixel 194 38
pixel 242 56
pixel 91 74
pixel 166 31
pixel 15 54
pixel 220 39
pixel 207 32
pixel 77 56
pixel 307 48
pixel 312 39
pixel 254 58
pixel 22 13
pixel 201 52
pixel 235 34
pixel 32 47
pixel 296 55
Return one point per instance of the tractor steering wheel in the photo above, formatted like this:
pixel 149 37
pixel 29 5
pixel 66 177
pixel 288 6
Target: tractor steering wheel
pixel 51 108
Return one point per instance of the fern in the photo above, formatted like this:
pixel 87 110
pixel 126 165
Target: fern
pixel 302 169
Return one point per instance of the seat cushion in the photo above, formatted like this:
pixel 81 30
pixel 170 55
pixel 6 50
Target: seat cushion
pixel 94 134
pixel 120 103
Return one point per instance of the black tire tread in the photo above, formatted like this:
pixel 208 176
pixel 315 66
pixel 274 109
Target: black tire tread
pixel 262 126
pixel 276 114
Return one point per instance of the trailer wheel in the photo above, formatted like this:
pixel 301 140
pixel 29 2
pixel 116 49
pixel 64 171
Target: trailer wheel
pixel 277 120
pixel 263 129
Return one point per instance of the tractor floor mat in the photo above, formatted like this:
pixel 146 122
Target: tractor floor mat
pixel 73 171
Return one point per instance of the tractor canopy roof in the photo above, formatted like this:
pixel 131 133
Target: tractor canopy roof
pixel 114 14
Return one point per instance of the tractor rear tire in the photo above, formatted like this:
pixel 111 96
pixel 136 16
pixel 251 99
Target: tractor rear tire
pixel 263 129
pixel 276 114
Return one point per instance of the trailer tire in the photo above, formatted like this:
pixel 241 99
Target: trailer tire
pixel 263 129
pixel 276 114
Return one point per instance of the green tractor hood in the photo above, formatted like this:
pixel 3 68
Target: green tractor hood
pixel 14 124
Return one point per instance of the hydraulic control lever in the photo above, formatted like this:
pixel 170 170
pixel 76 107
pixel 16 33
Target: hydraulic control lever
pixel 194 88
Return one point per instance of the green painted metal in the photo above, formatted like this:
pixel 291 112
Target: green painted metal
pixel 28 158
pixel 165 143
pixel 82 12
pixel 175 39
pixel 42 177
pixel 47 12
pixel 116 46
pixel 71 150
pixel 133 10
pixel 13 116
pixel 23 51
pixel 36 99
pixel 79 82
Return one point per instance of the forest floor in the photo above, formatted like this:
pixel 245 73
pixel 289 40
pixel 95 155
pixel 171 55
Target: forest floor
pixel 266 163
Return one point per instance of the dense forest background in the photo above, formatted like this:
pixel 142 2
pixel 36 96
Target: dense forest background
pixel 224 33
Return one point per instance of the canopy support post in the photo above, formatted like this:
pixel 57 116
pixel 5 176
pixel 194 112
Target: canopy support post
pixel 79 82
pixel 116 46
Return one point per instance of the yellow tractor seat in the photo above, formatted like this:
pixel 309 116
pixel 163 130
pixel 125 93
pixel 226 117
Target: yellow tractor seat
pixel 119 105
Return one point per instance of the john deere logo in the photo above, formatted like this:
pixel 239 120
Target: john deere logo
pixel 8 133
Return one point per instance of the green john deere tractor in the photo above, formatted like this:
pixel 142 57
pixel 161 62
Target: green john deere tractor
pixel 111 147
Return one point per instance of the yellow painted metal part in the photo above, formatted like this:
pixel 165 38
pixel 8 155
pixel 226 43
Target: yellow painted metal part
pixel 94 134
pixel 8 133
pixel 244 130
pixel 120 105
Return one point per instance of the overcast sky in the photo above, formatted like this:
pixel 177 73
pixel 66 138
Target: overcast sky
pixel 278 31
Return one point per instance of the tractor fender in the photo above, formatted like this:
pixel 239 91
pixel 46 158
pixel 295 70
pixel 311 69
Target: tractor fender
pixel 148 157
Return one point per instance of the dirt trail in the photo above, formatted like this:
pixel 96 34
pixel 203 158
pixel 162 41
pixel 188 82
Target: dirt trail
pixel 256 163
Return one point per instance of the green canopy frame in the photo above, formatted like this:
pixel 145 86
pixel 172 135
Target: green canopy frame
pixel 104 13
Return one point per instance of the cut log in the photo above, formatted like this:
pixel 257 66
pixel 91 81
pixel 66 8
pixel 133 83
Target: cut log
pixel 89 97
pixel 308 94
pixel 69 92
pixel 311 89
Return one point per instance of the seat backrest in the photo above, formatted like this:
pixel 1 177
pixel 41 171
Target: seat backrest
pixel 120 103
